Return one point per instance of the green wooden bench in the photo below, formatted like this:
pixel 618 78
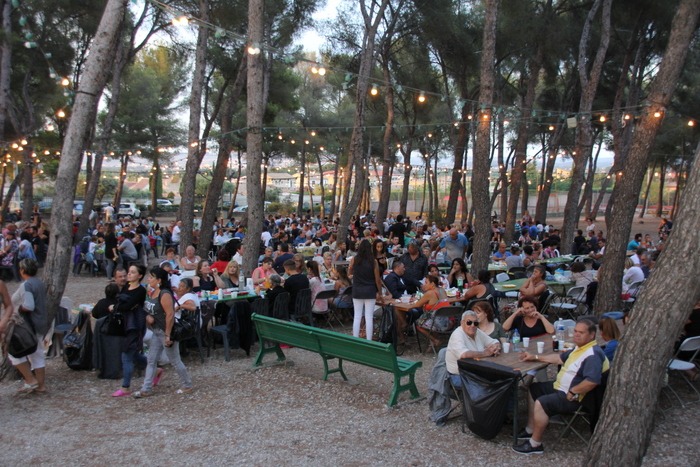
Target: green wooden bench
pixel 332 346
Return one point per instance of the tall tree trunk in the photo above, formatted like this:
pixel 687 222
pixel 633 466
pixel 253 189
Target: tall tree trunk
pixel 481 164
pixel 5 65
pixel 407 172
pixel 27 184
pixel 628 412
pixel 120 184
pixel 19 173
pixel 387 149
pixel 584 136
pixel 254 138
pixel 625 194
pixel 459 152
pixel 322 187
pixel 372 20
pixel 601 194
pixel 94 78
pixel 520 163
pixel 300 199
pixel 662 185
pixel 502 168
pixel 650 172
pixel 334 190
pixel 195 147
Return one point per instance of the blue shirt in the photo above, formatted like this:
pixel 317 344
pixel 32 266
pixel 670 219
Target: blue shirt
pixel 609 349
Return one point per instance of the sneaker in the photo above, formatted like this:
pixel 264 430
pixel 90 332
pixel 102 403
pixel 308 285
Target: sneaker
pixel 527 448
pixel 524 434
pixel 183 391
pixel 141 394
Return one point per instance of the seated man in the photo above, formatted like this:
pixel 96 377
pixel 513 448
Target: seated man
pixel 581 371
pixel 468 341
pixel 394 280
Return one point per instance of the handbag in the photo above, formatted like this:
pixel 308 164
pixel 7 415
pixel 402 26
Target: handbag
pixel 185 327
pixel 23 341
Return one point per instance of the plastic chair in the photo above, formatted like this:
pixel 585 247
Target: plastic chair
pixel 517 273
pixel 330 312
pixel 568 305
pixel 302 306
pixel 347 300
pixel 691 344
pixel 280 308
pixel 62 323
pixel 502 277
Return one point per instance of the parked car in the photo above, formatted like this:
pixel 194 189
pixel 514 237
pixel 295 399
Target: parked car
pixel 128 209
pixel 160 203
pixel 78 208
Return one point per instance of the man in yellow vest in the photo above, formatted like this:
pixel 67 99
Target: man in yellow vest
pixel 581 371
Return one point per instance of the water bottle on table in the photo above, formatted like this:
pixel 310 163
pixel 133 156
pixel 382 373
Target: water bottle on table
pixel 516 341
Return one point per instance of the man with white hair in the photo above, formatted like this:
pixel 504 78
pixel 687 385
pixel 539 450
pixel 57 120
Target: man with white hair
pixel 468 341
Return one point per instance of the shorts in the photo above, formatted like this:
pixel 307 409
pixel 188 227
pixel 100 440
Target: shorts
pixel 37 359
pixel 553 401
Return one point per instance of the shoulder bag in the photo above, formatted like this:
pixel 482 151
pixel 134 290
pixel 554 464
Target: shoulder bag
pixel 23 341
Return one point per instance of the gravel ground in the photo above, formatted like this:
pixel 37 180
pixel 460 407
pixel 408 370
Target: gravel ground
pixel 279 415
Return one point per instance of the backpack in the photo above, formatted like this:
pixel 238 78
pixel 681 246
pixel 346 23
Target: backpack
pixel 387 326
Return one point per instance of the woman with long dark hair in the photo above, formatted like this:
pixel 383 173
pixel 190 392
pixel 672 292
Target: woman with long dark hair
pixel 380 253
pixel 130 303
pixel 161 317
pixel 366 287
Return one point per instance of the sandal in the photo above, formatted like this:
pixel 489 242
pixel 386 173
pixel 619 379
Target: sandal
pixel 183 391
pixel 158 377
pixel 141 394
pixel 121 393
pixel 27 389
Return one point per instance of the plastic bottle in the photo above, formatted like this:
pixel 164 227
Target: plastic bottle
pixel 221 294
pixel 516 341
pixel 561 330
pixel 555 343
pixel 241 281
pixel 405 298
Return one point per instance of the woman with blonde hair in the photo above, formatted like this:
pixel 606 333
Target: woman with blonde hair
pixel 230 275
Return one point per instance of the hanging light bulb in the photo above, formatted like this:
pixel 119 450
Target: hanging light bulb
pixel 181 21
pixel 60 113
pixel 627 116
pixel 602 119
pixel 374 91
pixel 321 71
pixel 657 114
pixel 691 123
pixel 65 82
pixel 421 97
pixel 313 132
pixel 254 49
pixel 551 127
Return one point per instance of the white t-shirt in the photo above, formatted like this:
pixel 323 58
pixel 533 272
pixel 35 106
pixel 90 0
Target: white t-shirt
pixel 188 296
pixel 460 342
pixel 175 238
pixel 266 237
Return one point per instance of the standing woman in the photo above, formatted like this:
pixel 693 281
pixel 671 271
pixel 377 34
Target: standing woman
pixel 130 304
pixel 379 250
pixel 161 316
pixel 366 287
pixel 30 301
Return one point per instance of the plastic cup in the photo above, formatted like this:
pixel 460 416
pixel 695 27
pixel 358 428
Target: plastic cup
pixel 506 347
pixel 234 294
pixel 540 347
pixel 526 342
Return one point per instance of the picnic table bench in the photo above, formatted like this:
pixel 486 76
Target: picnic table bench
pixel 332 345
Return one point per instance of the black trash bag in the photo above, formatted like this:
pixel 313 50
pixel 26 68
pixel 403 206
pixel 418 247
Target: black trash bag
pixel 486 389
pixel 77 345
pixel 387 326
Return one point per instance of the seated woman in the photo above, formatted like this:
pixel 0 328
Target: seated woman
pixel 222 258
pixel 341 284
pixel 172 258
pixel 428 303
pixel 633 273
pixel 611 334
pixel 582 277
pixel 327 269
pixel 101 308
pixel 267 254
pixel 262 273
pixel 535 286
pixel 186 298
pixel 230 275
pixel 480 288
pixel 299 262
pixel 316 286
pixel 205 278
pixel 458 275
pixel 433 270
pixel 527 320
pixel 484 312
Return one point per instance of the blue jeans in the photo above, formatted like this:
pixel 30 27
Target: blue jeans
pixel 456 380
pixel 128 359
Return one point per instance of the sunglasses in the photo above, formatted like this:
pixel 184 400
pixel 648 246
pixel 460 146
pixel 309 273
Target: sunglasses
pixel 471 323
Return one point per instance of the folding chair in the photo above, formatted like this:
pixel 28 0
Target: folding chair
pixel 347 298
pixel 454 312
pixel 691 344
pixel 634 289
pixel 570 304
pixel 280 309
pixel 330 312
pixel 502 277
pixel 517 273
pixel 588 411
